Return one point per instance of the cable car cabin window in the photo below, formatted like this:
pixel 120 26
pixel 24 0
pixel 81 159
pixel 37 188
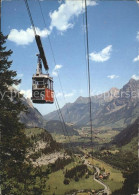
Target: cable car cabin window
pixel 51 85
pixel 39 82
pixel 47 83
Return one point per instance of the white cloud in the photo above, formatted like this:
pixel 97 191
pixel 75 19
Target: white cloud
pixel 24 37
pixel 54 73
pixel 101 56
pixel 61 18
pixel 56 69
pixel 136 77
pixel 137 36
pixel 59 94
pixel 136 59
pixel 113 76
pixel 26 93
pixel 81 91
pixel 69 94
pixel 16 86
pixel 20 75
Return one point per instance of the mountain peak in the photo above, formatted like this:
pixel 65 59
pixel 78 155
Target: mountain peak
pixel 113 90
pixel 81 99
pixel 131 86
pixel 132 80
pixel 29 103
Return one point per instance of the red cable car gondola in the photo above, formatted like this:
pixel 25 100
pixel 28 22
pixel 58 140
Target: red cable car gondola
pixel 42 84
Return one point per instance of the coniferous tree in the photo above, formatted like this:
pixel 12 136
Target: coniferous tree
pixel 17 175
pixel 13 139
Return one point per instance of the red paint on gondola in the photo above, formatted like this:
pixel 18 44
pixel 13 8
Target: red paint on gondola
pixel 49 95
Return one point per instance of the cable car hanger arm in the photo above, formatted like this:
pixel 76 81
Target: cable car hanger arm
pixel 37 38
pixel 42 54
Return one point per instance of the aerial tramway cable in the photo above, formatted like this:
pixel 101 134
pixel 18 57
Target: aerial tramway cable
pixel 57 72
pixel 61 116
pixel 59 113
pixel 57 109
pixel 29 13
pixel 89 85
pixel 88 64
pixel 54 58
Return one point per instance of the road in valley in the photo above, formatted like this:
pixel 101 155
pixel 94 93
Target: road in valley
pixel 106 190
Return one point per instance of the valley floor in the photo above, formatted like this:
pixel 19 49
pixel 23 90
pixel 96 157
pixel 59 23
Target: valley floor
pixel 56 186
pixel 55 182
pixel 115 180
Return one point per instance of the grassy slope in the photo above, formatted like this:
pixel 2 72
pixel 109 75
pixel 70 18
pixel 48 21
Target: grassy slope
pixel 131 146
pixel 102 137
pixel 115 180
pixel 56 179
pixel 105 137
pixel 33 131
pixel 64 139
pixel 56 182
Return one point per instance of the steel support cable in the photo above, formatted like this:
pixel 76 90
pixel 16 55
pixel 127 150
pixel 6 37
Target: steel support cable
pixel 88 62
pixel 62 124
pixel 59 81
pixel 58 109
pixel 30 16
pixel 59 118
pixel 85 47
pixel 60 121
pixel 84 32
pixel 53 57
pixel 59 115
pixel 55 65
pixel 58 77
pixel 63 121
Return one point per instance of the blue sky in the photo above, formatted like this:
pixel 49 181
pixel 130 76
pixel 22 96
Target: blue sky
pixel 113 44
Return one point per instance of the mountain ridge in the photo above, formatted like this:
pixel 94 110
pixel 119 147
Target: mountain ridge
pixel 119 108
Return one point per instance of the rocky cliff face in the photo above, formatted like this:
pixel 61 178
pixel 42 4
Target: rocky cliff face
pixel 115 108
pixel 43 150
pixel 32 118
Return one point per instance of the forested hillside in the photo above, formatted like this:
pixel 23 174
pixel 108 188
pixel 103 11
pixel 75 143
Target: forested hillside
pixel 126 135
pixel 122 153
